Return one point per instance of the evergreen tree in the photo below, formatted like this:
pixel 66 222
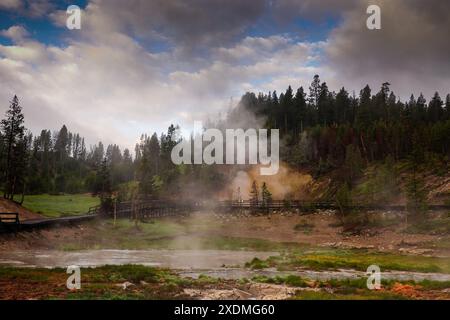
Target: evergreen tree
pixel 324 106
pixel 104 187
pixel 343 110
pixel 300 110
pixel 14 143
pixel 364 115
pixel 286 108
pixel 266 195
pixel 421 110
pixel 447 107
pixel 314 91
pixel 435 110
pixel 254 195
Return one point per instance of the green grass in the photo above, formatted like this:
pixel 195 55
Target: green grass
pixel 157 283
pixel 60 205
pixel 103 283
pixel 325 259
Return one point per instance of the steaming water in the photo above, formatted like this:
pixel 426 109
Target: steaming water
pixel 174 259
pixel 189 263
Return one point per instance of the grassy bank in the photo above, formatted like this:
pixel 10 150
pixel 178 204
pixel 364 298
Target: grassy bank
pixel 60 205
pixel 99 283
pixel 140 282
pixel 359 259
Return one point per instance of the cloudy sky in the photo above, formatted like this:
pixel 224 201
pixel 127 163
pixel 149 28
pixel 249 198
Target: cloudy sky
pixel 137 66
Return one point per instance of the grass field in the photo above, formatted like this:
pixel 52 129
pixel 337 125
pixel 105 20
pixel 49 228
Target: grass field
pixel 60 205
pixel 359 259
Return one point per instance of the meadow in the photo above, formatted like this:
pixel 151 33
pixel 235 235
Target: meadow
pixel 54 206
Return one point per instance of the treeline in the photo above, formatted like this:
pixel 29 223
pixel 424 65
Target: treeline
pixel 321 129
pixel 341 134
pixel 318 127
pixel 60 162
pixel 54 162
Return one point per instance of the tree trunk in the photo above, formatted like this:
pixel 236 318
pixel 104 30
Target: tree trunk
pixel 23 194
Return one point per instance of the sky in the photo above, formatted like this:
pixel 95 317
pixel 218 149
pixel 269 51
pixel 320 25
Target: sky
pixel 138 66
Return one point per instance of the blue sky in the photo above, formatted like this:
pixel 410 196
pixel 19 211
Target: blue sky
pixel 40 26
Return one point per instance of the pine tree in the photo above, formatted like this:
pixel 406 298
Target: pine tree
pixel 286 108
pixel 343 110
pixel 324 105
pixel 266 195
pixel 104 187
pixel 314 91
pixel 13 133
pixel 300 110
pixel 254 195
pixel 364 113
pixel 435 110
pixel 421 108
pixel 447 107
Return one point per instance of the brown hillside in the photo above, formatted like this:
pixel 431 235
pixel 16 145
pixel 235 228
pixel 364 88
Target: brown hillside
pixel 24 214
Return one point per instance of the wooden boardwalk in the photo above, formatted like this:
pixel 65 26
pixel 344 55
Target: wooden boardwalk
pixel 151 209
pixel 7 225
pixel 165 208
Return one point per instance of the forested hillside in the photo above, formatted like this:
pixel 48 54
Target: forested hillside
pixel 321 131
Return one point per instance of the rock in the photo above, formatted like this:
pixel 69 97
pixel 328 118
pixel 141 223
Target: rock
pixel 416 251
pixel 125 285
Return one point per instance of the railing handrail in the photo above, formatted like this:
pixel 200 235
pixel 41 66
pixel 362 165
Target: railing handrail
pixel 11 217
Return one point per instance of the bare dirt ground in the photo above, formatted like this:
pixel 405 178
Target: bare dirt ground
pixel 324 230
pixel 48 238
pixel 266 291
pixel 11 206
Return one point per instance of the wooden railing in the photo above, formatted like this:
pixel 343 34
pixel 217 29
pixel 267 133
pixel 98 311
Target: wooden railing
pixel 9 217
pixel 143 209
pixel 9 221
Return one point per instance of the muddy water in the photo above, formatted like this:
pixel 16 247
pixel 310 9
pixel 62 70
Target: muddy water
pixel 189 263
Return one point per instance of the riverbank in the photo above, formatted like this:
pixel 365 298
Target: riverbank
pixel 140 282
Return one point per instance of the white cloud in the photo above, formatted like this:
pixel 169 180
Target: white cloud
pixel 16 33
pixel 410 51
pixel 107 86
